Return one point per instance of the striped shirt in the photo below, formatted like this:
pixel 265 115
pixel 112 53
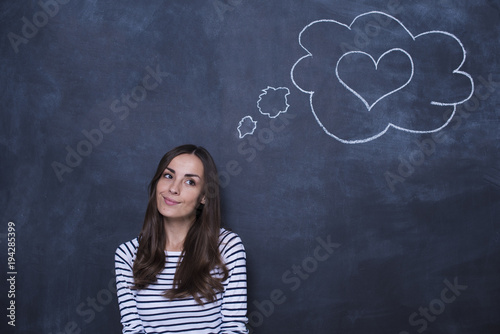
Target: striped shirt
pixel 147 311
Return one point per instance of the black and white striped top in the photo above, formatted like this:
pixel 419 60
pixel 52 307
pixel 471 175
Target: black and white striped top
pixel 147 311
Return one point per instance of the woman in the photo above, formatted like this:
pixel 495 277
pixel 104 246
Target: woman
pixel 184 273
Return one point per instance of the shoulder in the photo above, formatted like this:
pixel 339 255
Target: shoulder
pixel 127 251
pixel 230 244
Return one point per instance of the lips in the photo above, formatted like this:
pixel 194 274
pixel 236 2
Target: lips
pixel 169 201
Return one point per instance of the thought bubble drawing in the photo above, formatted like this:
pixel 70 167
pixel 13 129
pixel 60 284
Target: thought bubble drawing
pixel 374 74
pixel 246 126
pixel 273 101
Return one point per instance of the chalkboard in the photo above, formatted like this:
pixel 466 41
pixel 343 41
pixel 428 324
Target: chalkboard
pixel 357 144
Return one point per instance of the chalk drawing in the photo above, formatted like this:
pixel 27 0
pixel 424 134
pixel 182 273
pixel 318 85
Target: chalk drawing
pixel 246 126
pixel 375 62
pixel 272 102
pixel 277 102
pixel 371 107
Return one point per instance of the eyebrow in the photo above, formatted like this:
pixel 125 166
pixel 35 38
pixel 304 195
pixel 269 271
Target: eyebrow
pixel 186 175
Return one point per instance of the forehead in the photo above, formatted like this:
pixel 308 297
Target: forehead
pixel 186 164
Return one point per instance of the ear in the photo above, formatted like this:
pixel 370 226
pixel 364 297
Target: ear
pixel 203 200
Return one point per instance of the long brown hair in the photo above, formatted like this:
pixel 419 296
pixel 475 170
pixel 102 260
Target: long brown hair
pixel 201 252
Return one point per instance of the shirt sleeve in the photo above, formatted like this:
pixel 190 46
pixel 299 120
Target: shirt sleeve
pixel 130 320
pixel 234 301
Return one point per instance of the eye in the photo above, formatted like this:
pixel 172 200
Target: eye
pixel 191 182
pixel 168 176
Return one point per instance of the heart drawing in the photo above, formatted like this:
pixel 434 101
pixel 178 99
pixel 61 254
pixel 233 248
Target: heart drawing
pixel 380 74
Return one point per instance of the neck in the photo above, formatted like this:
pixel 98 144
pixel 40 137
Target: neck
pixel 176 234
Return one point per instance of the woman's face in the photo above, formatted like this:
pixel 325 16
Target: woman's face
pixel 179 189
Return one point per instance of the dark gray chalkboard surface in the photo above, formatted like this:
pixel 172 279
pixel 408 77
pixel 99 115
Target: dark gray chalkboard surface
pixel 357 144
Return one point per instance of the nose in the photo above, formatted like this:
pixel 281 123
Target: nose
pixel 174 188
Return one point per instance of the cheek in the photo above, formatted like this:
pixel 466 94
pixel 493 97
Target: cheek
pixel 159 189
pixel 162 187
pixel 194 198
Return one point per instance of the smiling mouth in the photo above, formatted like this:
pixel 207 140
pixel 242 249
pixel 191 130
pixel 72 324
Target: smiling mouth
pixel 169 201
